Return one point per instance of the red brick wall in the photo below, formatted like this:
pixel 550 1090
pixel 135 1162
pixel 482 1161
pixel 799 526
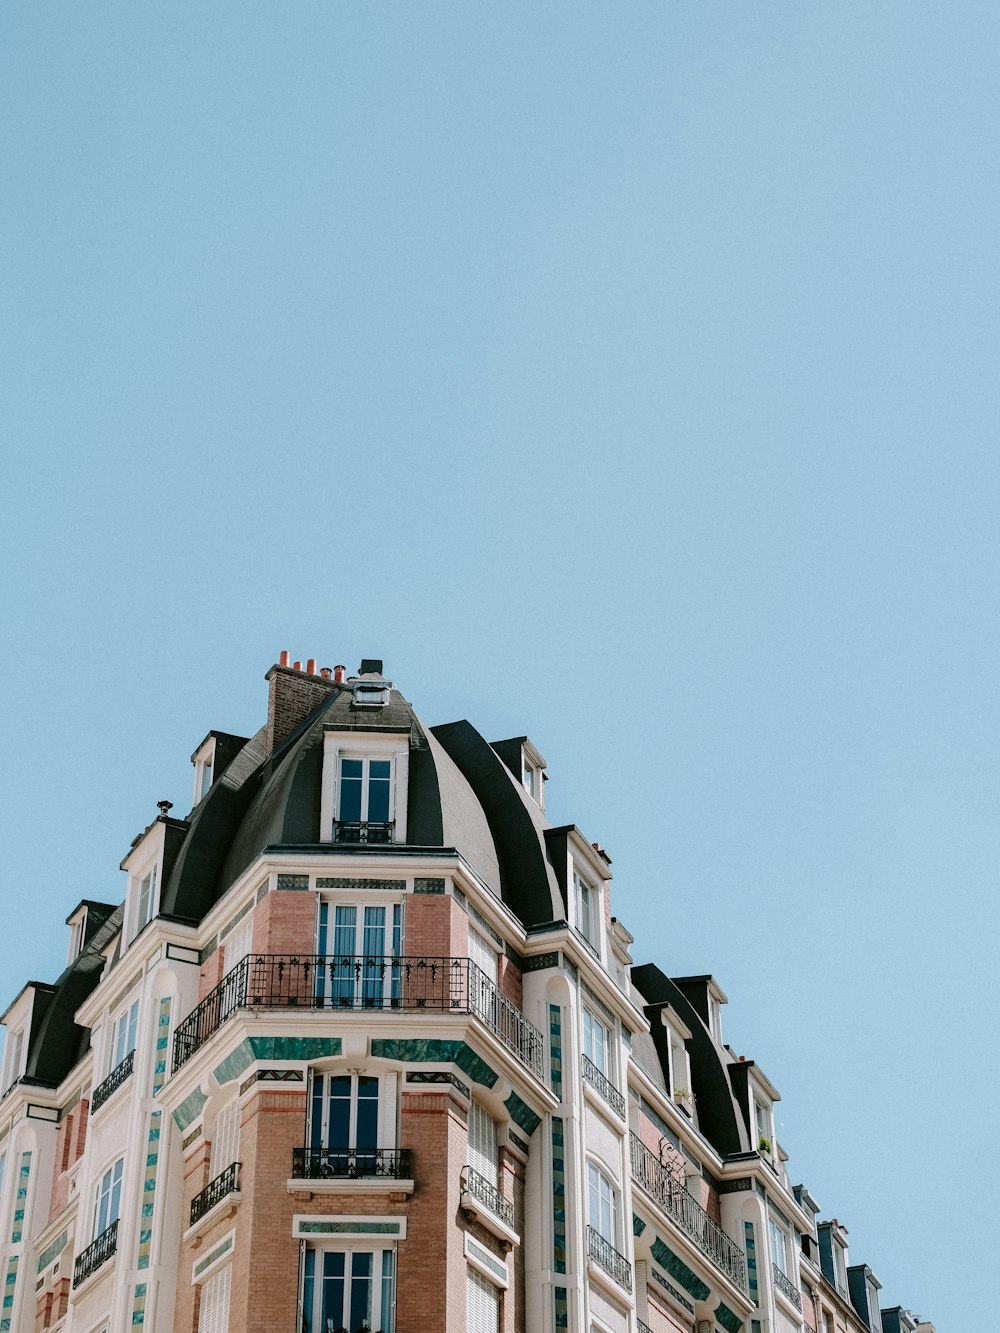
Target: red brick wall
pixel 285 922
pixel 71 1139
pixel 435 927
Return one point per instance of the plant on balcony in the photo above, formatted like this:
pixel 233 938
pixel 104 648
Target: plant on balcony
pixel 764 1144
pixel 682 1094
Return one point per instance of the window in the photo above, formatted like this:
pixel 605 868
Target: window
pixel 779 1246
pixel 145 897
pixel 482 1305
pixel 77 934
pixel 765 1130
pixel 343 1119
pixel 364 799
pixel 348 1289
pixel 237 943
pixel 596 1042
pixel 370 696
pixel 601 1204
pixel 204 769
pixel 213 1309
pixel 123 1031
pixel 15 1058
pixel 484 954
pixel 109 1197
pixel 531 780
pixel 483 1152
pixel 585 897
pixel 226 1139
pixel 359 943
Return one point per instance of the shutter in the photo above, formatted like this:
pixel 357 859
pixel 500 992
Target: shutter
pixel 226 1143
pixel 482 1305
pixel 238 942
pixel 483 1142
pixel 483 954
pixel 213 1313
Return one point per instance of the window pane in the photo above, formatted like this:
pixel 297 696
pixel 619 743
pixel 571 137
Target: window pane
pixel 350 789
pixel 361 1289
pixel 378 790
pixel 387 1313
pixel 367 1131
pixel 332 1312
pixel 338 1133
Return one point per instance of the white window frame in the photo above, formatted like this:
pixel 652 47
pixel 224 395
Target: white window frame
pixel 602 1188
pixel 114 1204
pixel 126 1022
pixel 382 986
pixel 363 1245
pixel 14 1057
pixel 148 874
pixel 225 1138
pixel 775 1233
pixel 763 1119
pixel 597 1043
pixel 321 1077
pixel 483 1146
pixel 204 771
pixel 586 899
pixel 362 745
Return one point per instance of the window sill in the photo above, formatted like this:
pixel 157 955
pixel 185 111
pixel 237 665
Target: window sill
pixel 591 1095
pixel 223 1208
pixel 493 1224
pixel 603 1279
pixel 350 1185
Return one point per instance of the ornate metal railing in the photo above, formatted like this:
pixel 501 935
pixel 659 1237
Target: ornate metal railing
pixel 225 1183
pixel 688 1214
pixel 787 1287
pixel 604 1253
pixel 112 1083
pixel 603 1085
pixel 362 830
pixel 641 1326
pixel 488 1195
pixel 98 1252
pixel 348 981
pixel 351 1163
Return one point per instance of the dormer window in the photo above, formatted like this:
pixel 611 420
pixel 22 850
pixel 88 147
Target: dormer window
pixel 204 769
pixel 144 890
pixel 585 903
pixel 364 785
pixel 14 1065
pixel 531 780
pixel 77 934
pixel 371 696
pixel 764 1125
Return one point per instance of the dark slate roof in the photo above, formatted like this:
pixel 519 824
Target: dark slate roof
pixel 719 1116
pixel 57 1043
pixel 269 801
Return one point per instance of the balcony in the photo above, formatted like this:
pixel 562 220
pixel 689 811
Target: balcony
pixel 641 1327
pixel 119 1075
pixel 607 1258
pixel 363 830
pixel 787 1287
pixel 354 982
pixel 687 1214
pixel 484 1199
pixel 224 1184
pixel 603 1087
pixel 351 1163
pixel 98 1252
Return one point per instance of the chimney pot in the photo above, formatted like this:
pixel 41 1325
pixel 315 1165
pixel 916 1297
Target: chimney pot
pixel 283 659
pixel 296 666
pixel 311 666
pixel 325 672
pixel 338 674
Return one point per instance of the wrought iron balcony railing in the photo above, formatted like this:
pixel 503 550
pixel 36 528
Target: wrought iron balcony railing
pixel 347 981
pixel 787 1287
pixel 225 1183
pixel 607 1257
pixel 687 1213
pixel 351 1163
pixel 641 1326
pixel 477 1185
pixel 119 1075
pixel 98 1252
pixel 603 1085
pixel 363 830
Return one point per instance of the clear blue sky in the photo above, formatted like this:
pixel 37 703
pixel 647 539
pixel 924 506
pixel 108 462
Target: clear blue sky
pixel 621 374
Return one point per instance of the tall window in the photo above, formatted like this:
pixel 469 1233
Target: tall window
pixel 779 1246
pixel 482 1304
pixel 145 897
pixel 359 945
pixel 15 1057
pixel 765 1133
pixel 107 1204
pixel 226 1139
pixel 123 1035
pixel 213 1311
pixel 237 943
pixel 585 897
pixel 483 1150
pixel 484 954
pixel 365 794
pixel 343 1119
pixel 348 1289
pixel 596 1041
pixel 601 1204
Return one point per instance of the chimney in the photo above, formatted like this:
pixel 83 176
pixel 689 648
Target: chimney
pixel 311 666
pixel 338 674
pixel 292 697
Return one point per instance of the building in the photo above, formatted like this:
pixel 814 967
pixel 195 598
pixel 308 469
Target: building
pixel 365 1048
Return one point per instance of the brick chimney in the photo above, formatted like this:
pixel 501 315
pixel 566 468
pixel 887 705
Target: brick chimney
pixel 293 695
